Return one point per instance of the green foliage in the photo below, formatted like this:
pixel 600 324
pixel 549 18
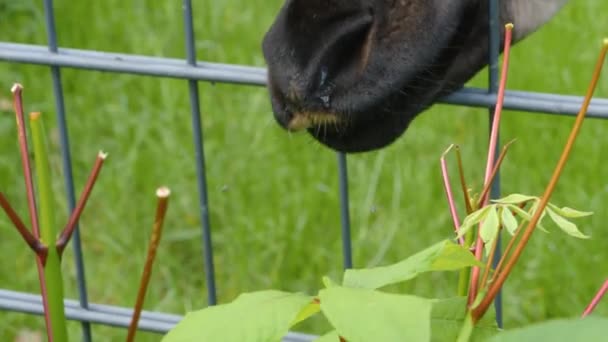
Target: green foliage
pixel 361 315
pixel 444 256
pixel 504 212
pixel 588 329
pixel 252 166
pixel 448 317
pixel 356 310
pixel 260 316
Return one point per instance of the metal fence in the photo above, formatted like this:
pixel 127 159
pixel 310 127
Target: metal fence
pixel 194 71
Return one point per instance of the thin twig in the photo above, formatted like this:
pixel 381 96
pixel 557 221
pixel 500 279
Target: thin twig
pixel 488 268
pixel 596 300
pixel 463 182
pixel 483 306
pixel 483 199
pixel 161 210
pixel 448 191
pixel 473 288
pixel 34 244
pixel 17 91
pixel 67 232
pixel 510 245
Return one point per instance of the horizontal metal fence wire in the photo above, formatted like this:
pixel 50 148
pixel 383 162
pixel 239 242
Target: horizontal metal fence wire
pixel 194 71
pixel 238 74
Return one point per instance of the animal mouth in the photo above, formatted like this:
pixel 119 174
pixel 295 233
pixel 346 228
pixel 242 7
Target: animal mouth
pixel 305 120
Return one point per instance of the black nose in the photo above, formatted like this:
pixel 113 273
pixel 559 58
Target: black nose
pixel 316 47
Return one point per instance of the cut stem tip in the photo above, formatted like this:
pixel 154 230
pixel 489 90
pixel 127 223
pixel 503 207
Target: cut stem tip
pixel 163 192
pixel 16 88
pixel 102 155
pixel 509 26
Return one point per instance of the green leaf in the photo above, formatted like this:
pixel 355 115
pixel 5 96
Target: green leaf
pixel 258 316
pixel 444 256
pixel 514 199
pixel 508 220
pixel 328 282
pixel 569 212
pixel 588 329
pixel 362 315
pixel 448 317
pixel 473 219
pixel 565 225
pixel 527 216
pixel 331 336
pixel 308 311
pixel 539 224
pixel 489 227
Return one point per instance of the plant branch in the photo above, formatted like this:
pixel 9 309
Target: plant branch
pixel 67 232
pixel 48 230
pixel 483 199
pixel 474 286
pixel 596 300
pixel 27 236
pixel 480 310
pixel 161 210
pixel 448 191
pixel 17 91
pixel 486 272
pixel 463 182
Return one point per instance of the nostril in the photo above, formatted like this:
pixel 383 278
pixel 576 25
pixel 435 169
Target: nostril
pixel 344 55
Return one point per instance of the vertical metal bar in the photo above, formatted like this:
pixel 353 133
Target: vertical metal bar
pixel 344 211
pixel 67 163
pixel 200 156
pixel 494 79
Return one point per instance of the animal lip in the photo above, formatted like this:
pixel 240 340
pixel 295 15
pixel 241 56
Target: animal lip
pixel 304 120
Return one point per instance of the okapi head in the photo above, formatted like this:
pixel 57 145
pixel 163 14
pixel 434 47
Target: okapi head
pixel 354 73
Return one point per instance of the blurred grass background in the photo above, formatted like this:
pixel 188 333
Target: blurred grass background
pixel 273 195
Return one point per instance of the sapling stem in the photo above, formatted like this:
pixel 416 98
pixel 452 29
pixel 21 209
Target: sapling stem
pixel 17 91
pixel 48 231
pixel 463 182
pixel 596 300
pixel 448 191
pixel 474 286
pixel 34 244
pixel 490 258
pixel 483 198
pixel 161 210
pixel 501 277
pixel 67 232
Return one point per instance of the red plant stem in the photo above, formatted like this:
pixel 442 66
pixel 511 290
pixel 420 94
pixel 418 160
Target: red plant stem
pixel 596 300
pixel 27 236
pixel 17 90
pixel 161 210
pixel 507 250
pixel 474 287
pixel 486 272
pixel 501 277
pixel 448 191
pixel 25 160
pixel 67 232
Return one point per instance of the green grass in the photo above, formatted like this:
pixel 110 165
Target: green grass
pixel 273 195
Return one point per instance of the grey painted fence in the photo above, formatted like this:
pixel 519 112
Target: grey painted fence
pixel 194 72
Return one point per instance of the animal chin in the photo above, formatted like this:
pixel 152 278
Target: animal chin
pixel 304 120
